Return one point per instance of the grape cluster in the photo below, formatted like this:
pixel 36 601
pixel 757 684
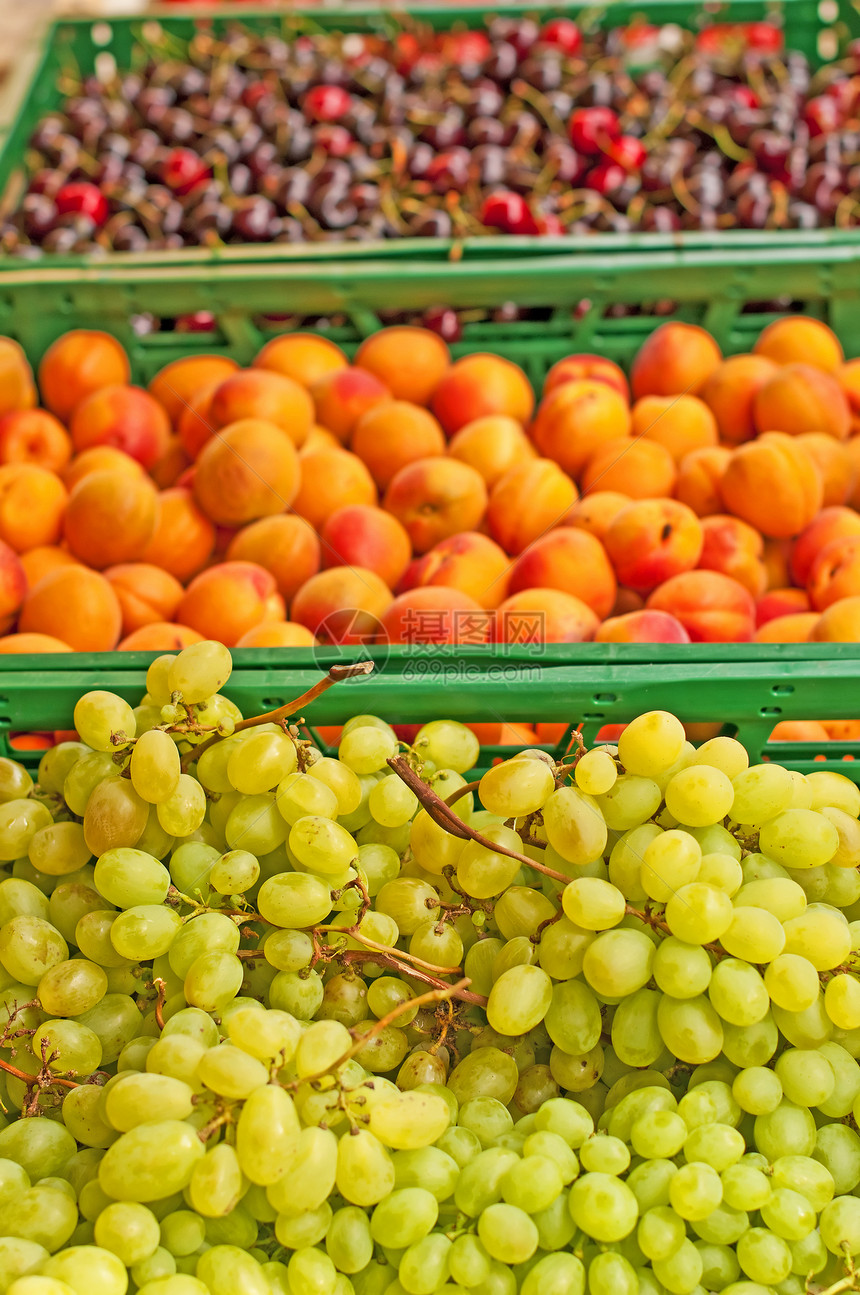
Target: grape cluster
pixel 277 1023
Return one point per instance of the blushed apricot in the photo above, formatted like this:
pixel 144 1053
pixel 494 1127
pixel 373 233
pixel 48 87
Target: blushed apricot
pixel 642 627
pixel 75 605
pixel 469 561
pixel 195 425
pixel 127 418
pixel 363 536
pixel 270 397
pixel 410 361
pixel 146 594
pixel 25 644
pixel 780 602
pixel 651 540
pixel 543 616
pixel 184 537
pixel 570 560
pixel 528 500
pixel 32 504
pixel 434 498
pixel 13 586
pixel 835 572
pixel 277 634
pixel 342 605
pixel 679 423
pixel 227 600
pixel 835 464
pixel 576 420
pixel 730 394
pixel 700 474
pixel 627 600
pixel 638 468
pixel 249 470
pixel 835 523
pixel 596 512
pixel 319 438
pixel 110 517
pixel 177 383
pixel 332 479
pixel 77 364
pixel 101 458
pixel 162 636
pixel 776 558
pixel 797 339
pixel 736 549
pixel 491 446
pixel 434 614
pixel 838 623
pixel 573 368
pixel 478 385
pixel 38 562
pixel 167 470
pixel 286 545
pixel 799 730
pixel 853 448
pixel 303 357
pixel 848 377
pixel 773 484
pixel 712 607
pixel 391 435
pixel 677 359
pixel 799 398
pixel 17 388
pixel 341 397
pixel 795 627
pixel 34 436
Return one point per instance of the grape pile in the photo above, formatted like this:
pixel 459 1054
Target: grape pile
pixel 275 1023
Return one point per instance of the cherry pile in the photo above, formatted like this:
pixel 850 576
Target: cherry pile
pixel 517 128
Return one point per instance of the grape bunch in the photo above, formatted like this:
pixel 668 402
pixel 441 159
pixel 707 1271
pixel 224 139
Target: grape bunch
pixel 278 1023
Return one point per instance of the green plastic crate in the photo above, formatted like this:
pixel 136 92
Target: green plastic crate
pixel 748 689
pixel 818 28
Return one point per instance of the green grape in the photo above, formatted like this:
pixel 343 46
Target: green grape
pixel 448 744
pixel 561 951
pixel 481 872
pixel 322 845
pixel 699 795
pixel 660 1232
pixel 143 931
pixel 391 802
pixel 690 1028
pixel 84 776
pixel 42 1214
pixel 553 1274
pixel 261 762
pixel 611 1273
pixel 434 849
pixel 288 950
pixel 754 935
pixel 848 831
pixel 158 1265
pixel 837 1148
pixel 779 895
pixel 126 877
pixel 294 899
pixel 761 792
pixel 69 988
pixel 604 1154
pixel 29 947
pixel 74 1047
pixel 102 717
pixel 757 1090
pixel 299 995
pixel 819 934
pixel 695 1190
pixel 651 743
pixel 150 1162
pixel 507 1233
pixel 213 980
pixel 721 871
pixel 723 753
pixel 20 898
pixel 680 969
pixel 521 910
pixel 155 766
pixel 618 962
pixel 366 748
pixel 341 780
pixel 788 1214
pixel 59 849
pixel 54 767
pixel 115 816
pixel 603 1206
pixel 404 1217
pixel 834 789
pixel 143 1098
pixel 234 873
pixel 410 902
pixel 809 1255
pixel 573 1019
pixel 718 1145
pixel 658 1135
pixel 128 1230
pixel 635 1033
pixel 183 811
pixel 593 904
pixel 515 788
pixel 212 932
pixel 787 1130
pixel 792 982
pixel 182 1232
pixel 698 913
pixel 199 671
pixel 799 838
pixel 625 860
pixel 737 992
pixel 670 861
pixel 680 1271
pixel 807 1078
pixel 225 1269
pixel 805 1176
pixel 88 1268
pixel 216 1183
pixel 745 1187
pixel 190 866
pixel 628 803
pixel 519 1000
pixel 365 1172
pixel 595 772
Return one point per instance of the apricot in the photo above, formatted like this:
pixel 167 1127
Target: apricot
pixel 391 435
pixel 162 636
pixel 638 468
pixel 25 644
pixel 177 383
pixel 842 730
pixel 110 517
pixel 330 480
pixel 573 368
pixel 434 498
pixel 677 359
pixel 853 448
pixel 478 385
pixel 101 458
pixel 848 377
pixel 76 365
pixel 733 547
pixel 249 470
pixel 642 627
pixel 698 484
pixel 713 608
pixel 410 361
pixel 838 623
pixel 797 339
pixel 184 537
pixel 730 394
pixel 303 357
pixel 277 634
pixel 795 627
pixel 342 605
pixel 799 398
pixel 780 602
pixel 127 418
pixel 435 614
pixel 835 572
pixel 577 419
pixel 227 600
pixel 342 396
pixel 534 616
pixel 652 540
pixel 504 734
pixel 39 561
pixel 32 504
pixel 146 594
pixel 17 388
pixel 834 523
pixel 167 470
pixel 319 438
pixel 73 604
pixel 835 464
pixel 491 446
pixel 363 536
pixel 595 513
pixel 194 425
pixel 678 423
pixel 775 557
pixel 469 561
pixel 529 499
pixel 627 600
pixel 285 545
pixel 799 730
pixel 773 484
pixel 34 436
pixel 571 560
pixel 260 394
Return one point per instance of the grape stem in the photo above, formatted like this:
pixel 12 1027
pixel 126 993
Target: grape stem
pixel 33 1080
pixel 390 960
pixel 443 816
pixel 161 998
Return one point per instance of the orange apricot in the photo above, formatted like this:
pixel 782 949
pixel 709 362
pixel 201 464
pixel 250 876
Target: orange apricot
pixel 652 540
pixel 678 423
pixel 110 517
pixel 780 602
pixel 838 623
pixel 249 470
pixel 342 605
pixel 101 458
pixel 573 368
pixel 434 614
pixel 286 545
pixel 332 479
pixel 75 605
pixel 543 616
pixel 25 644
pixel 39 561
pixel 773 484
pixel 161 636
pixel 303 357
pixel 677 359
pixel 596 512
pixel 319 438
pixel 645 626
pixel 835 464
pixel 713 608
pixel 799 398
pixel 410 361
pixel 391 435
pixel 698 484
pixel 468 561
pixel 17 388
pixel 277 634
pixel 799 730
pixel 34 436
pixel 177 383
pixel 77 364
pixel 794 627
pixel 848 377
pixel 265 396
pixel 342 396
pixel 482 384
pixel 128 418
pixel 571 560
pixel 363 536
pixel 528 500
pixel 730 394
pixel 735 548
pixel 32 503
pixel 195 426
pixel 638 468
pixel 436 497
pixel 834 523
pixel 576 420
pixel 491 446
pixel 835 572
pixel 184 537
pixel 167 470
pixel 798 339
pixel 146 594
pixel 227 600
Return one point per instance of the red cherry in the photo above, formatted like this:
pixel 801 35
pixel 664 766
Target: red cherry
pixel 334 140
pixel 253 93
pixel 717 37
pixel 744 96
pixel 82 196
pixel 508 212
pixel 628 152
pixel 822 115
pixel 202 321
pixel 407 51
pixel 551 225
pixel 444 321
pixel 466 47
pixel 845 94
pixel 564 34
pixel 326 103
pixel 591 129
pixel 606 178
pixel 182 170
pixel 763 35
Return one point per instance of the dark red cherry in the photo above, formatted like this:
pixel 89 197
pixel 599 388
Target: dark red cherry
pixel 628 152
pixel 508 212
pixel 81 196
pixel 563 33
pixel 592 129
pixel 182 170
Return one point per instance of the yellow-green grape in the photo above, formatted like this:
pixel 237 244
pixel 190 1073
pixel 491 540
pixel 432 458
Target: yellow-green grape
pixel 126 877
pixel 829 788
pixel 699 914
pixel 261 762
pixel 366 748
pixel 516 787
pixel 391 802
pixel 691 1030
pixel 618 962
pixel 144 931
pixel 593 904
pixel 595 772
pixel 670 861
pixel 157 680
pixel 651 743
pixel 54 767
pixel 294 899
pixel 199 671
pixel 820 934
pixel 482 872
pixel 72 987
pixel 842 1001
pixel 59 849
pixel 266 1035
pixel 448 744
pixel 69 1047
pixel 182 812
pixel 154 766
pixel 115 816
pixel 761 792
pixel 322 845
pixel 625 860
pixel 267 1134
pixel 799 838
pixel 699 796
pixel 20 820
pixel 574 826
pixel 434 848
pixel 254 824
pixel 341 780
pixel 213 980
pixel 409 902
pixel 84 776
pixel 754 935
pixel 234 873
pixel 102 717
pixel 778 895
pixel 29 947
pixel 300 794
pixel 738 993
pixel 630 801
pixel 15 781
pixel 848 830
pixel 722 871
pixel 519 1000
pixel 723 753
pixel 681 969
